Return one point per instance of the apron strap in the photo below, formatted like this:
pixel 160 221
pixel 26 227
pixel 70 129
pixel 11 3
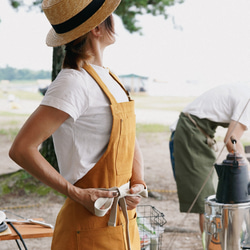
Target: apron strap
pixel 96 77
pixel 118 80
pixel 111 203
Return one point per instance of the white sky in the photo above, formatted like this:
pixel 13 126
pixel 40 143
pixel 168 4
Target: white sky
pixel 213 44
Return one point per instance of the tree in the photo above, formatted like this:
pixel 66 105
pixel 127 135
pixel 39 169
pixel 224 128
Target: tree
pixel 128 10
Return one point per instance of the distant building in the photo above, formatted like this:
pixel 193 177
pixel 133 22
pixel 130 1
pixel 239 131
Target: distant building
pixel 134 83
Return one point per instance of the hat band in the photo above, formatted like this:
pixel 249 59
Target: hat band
pixel 79 18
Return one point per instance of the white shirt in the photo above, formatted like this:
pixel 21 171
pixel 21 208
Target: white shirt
pixel 83 138
pixel 222 104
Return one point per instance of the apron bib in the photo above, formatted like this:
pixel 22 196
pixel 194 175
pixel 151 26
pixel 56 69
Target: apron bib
pixel 76 227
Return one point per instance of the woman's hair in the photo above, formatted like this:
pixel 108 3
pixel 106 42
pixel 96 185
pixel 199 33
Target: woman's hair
pixel 76 51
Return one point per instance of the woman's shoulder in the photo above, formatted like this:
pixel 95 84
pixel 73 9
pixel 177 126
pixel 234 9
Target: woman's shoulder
pixel 68 93
pixel 71 74
pixel 69 81
pixel 70 77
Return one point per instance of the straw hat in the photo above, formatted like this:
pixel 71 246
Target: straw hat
pixel 70 19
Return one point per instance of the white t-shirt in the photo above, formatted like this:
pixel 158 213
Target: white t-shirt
pixel 83 138
pixel 222 104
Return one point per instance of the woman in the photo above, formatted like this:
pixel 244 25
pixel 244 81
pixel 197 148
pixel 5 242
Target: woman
pixel 92 121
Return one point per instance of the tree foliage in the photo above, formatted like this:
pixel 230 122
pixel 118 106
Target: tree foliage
pixel 24 3
pixel 9 73
pixel 128 10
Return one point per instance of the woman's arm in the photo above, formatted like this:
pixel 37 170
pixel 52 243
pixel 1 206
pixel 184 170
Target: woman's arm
pixel 138 166
pixel 24 151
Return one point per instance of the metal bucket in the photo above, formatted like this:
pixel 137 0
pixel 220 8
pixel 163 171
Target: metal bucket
pixel 227 226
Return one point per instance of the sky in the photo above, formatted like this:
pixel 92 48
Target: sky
pixel 202 41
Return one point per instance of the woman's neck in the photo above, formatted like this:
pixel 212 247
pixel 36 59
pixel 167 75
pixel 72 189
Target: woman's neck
pixel 97 52
pixel 96 60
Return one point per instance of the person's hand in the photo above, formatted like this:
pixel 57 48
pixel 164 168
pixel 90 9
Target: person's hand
pixel 133 201
pixel 88 196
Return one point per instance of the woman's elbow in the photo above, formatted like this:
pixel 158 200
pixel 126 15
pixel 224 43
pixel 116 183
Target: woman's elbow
pixel 12 154
pixel 15 151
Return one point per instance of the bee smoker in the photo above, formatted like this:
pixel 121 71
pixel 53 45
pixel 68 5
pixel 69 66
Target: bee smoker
pixel 227 214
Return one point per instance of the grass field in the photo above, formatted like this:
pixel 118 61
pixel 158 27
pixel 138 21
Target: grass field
pixel 14 118
pixel 154 113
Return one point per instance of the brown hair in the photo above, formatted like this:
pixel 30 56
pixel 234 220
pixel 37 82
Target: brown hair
pixel 76 51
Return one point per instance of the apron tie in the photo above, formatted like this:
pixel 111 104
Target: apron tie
pixel 112 203
pixel 211 142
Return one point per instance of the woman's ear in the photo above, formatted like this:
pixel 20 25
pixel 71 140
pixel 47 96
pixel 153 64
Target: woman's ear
pixel 96 31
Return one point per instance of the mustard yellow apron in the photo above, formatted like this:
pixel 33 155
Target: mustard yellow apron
pixel 76 227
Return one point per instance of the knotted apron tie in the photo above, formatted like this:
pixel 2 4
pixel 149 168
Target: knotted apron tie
pixel 211 142
pixel 103 205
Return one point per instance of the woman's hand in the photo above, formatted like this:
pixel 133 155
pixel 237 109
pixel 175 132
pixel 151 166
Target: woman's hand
pixel 133 201
pixel 88 196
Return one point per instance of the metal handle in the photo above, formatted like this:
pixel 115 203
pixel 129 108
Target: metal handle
pixel 214 225
pixel 234 141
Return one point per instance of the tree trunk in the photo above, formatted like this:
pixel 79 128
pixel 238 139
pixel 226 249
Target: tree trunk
pixel 58 56
pixel 47 149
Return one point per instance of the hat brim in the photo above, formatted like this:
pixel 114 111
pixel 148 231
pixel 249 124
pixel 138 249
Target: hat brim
pixel 54 39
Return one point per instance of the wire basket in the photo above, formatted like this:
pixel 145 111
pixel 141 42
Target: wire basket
pixel 150 222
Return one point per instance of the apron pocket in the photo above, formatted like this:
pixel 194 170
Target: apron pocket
pixel 134 234
pixel 124 161
pixel 102 238
pixel 125 148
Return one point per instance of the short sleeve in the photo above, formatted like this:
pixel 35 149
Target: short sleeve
pixel 68 92
pixel 241 112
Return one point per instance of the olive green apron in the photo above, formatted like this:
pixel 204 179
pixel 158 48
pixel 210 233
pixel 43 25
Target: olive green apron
pixel 76 227
pixel 194 159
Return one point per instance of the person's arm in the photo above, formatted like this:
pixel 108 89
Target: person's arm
pixel 24 151
pixel 138 166
pixel 236 131
pixel 137 180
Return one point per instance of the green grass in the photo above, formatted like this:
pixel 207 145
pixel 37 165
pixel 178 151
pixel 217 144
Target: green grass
pixel 10 133
pixel 11 114
pixel 11 123
pixel 21 180
pixel 21 94
pixel 151 128
pixel 28 95
pixel 24 95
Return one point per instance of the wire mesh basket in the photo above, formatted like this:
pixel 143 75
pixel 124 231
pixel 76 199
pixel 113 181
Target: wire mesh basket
pixel 150 222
